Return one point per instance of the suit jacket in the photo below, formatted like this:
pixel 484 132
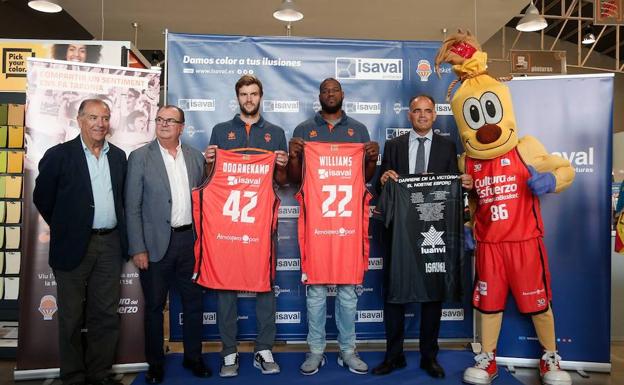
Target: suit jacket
pixel 148 197
pixel 64 197
pixel 442 157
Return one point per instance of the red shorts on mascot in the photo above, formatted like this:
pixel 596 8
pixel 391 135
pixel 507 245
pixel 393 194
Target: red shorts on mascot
pixel 509 173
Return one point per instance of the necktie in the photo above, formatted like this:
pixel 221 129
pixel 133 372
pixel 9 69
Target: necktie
pixel 420 157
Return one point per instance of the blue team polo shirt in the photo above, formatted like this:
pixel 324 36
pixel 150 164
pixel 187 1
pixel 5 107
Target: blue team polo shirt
pixel 263 134
pixel 346 129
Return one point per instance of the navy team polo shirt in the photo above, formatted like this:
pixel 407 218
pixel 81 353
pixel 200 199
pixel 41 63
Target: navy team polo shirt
pixel 347 130
pixel 263 134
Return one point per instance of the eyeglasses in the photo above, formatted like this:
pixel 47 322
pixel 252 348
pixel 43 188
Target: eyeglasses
pixel 167 122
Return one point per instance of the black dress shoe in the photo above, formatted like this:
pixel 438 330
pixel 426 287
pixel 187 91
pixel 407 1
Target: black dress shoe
pixel 106 381
pixel 432 368
pixel 154 374
pixel 197 368
pixel 387 367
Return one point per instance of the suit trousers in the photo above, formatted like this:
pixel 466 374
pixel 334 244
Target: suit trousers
pixel 394 322
pixel 88 297
pixel 175 268
pixel 227 316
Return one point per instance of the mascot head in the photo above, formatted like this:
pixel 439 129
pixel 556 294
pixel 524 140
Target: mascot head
pixel 481 105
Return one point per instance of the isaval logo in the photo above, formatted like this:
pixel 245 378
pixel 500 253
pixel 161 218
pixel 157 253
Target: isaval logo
pixel 443 109
pixel 452 315
pixel 363 108
pixel 369 68
pixel 209 318
pixel 288 212
pixel 369 316
pixel 393 132
pixel 288 264
pixel 582 161
pixel 375 263
pixel 197 104
pixel 287 317
pixel 280 105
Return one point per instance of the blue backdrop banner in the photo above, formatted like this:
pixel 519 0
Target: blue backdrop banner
pixel 572 117
pixel 378 78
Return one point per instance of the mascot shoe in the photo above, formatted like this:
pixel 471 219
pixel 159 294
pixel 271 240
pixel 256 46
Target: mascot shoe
pixel 550 371
pixel 484 371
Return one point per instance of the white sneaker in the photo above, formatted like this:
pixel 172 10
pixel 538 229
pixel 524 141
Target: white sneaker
pixel 229 366
pixel 551 372
pixel 352 361
pixel 264 361
pixel 312 363
pixel 484 371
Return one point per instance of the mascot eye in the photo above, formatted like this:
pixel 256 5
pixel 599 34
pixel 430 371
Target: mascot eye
pixel 473 115
pixel 492 106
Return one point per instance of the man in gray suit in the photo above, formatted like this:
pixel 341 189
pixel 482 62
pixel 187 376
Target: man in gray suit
pixel 160 236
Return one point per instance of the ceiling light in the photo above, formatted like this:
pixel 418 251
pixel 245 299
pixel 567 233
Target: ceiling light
pixel 588 37
pixel 532 20
pixel 288 11
pixel 47 6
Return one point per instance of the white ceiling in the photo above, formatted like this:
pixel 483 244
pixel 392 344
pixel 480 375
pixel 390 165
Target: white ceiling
pixel 362 19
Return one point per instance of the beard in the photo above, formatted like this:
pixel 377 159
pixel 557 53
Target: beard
pixel 247 112
pixel 332 109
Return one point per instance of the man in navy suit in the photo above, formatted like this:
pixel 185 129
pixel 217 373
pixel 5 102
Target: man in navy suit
pixel 419 151
pixel 79 193
pixel 161 175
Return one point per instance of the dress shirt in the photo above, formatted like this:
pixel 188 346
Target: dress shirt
pixel 179 185
pixel 104 205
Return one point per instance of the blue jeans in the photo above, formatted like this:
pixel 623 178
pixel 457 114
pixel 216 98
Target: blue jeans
pixel 346 308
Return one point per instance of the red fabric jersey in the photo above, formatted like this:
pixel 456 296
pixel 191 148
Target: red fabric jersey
pixel 507 210
pixel 334 214
pixel 235 215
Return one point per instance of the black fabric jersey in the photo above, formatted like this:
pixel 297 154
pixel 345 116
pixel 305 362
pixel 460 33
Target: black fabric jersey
pixel 426 253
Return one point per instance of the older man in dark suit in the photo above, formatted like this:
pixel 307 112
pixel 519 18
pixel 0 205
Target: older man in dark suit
pixel 79 193
pixel 161 175
pixel 419 151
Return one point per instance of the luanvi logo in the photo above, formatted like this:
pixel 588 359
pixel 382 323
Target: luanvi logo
pixel 432 239
pixel 369 68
